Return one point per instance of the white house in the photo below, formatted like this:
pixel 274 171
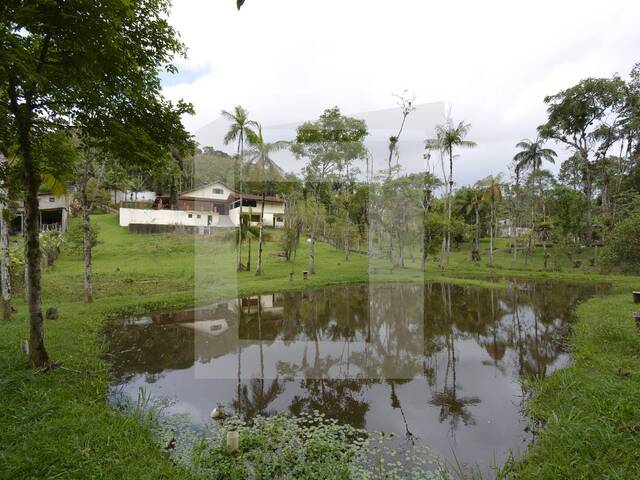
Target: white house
pixel 118 196
pixel 212 205
pixel 53 212
pixel 506 228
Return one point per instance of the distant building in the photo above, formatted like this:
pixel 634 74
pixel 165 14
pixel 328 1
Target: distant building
pixel 118 196
pixel 212 205
pixel 54 213
pixel 506 228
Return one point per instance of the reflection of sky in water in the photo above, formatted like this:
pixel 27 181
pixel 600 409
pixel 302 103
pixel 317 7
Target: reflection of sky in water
pixel 454 370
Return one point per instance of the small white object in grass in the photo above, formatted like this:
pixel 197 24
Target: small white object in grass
pixel 233 441
pixel 308 240
pixel 216 413
pixel 24 345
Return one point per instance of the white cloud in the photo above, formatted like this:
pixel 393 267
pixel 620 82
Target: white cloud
pixel 287 60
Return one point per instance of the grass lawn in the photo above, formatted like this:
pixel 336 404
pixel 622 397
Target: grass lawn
pixel 60 425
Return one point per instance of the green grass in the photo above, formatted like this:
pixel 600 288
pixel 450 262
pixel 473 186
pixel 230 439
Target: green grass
pixel 591 410
pixel 60 425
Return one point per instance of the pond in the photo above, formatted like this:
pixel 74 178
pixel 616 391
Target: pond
pixel 437 364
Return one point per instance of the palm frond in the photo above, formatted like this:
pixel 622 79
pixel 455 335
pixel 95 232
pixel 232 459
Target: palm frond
pixel 54 185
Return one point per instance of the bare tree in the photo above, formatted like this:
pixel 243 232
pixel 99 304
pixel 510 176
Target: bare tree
pixel 406 106
pixel 92 169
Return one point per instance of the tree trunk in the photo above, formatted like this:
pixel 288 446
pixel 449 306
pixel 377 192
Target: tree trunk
pixel 443 251
pixel 369 240
pixel 248 253
pixel 477 239
pixel 37 352
pixel 5 276
pixel 5 260
pixel 88 268
pixel 173 195
pixel 345 237
pixel 425 240
pixel 400 251
pixel 425 249
pixel 491 233
pixel 312 247
pixel 259 267
pixel 450 198
pixel 589 193
pixel 240 155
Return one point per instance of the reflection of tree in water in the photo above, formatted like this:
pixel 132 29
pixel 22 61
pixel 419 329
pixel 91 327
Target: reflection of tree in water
pixel 453 407
pixel 396 404
pixel 255 403
pixel 149 350
pixel 254 399
pixel 400 338
pixel 340 399
pixel 540 315
pixel 336 398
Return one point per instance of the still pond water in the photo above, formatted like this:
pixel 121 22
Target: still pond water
pixel 437 364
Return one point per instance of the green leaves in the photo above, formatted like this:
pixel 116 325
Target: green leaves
pixel 575 115
pixel 330 143
pixel 92 68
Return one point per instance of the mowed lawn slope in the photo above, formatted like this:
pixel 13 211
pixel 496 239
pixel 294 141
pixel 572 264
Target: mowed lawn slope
pixel 59 424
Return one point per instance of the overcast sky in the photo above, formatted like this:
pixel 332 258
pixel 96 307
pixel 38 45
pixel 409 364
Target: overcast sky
pixel 492 61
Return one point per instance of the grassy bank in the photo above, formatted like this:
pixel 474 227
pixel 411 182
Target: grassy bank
pixel 59 424
pixel 591 410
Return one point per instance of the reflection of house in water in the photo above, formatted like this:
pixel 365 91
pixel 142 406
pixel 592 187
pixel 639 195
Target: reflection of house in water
pixel 209 327
pixel 214 320
pixel 269 304
pixel 262 316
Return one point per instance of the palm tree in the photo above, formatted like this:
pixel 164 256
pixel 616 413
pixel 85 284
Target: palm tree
pixel 266 169
pixel 238 131
pixel 448 137
pixel 492 196
pixel 531 156
pixel 471 202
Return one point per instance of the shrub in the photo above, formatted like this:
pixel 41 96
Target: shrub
pixel 16 267
pixel 75 238
pixel 50 243
pixel 623 248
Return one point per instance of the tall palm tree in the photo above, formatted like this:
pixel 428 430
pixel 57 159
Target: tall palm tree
pixel 492 196
pixel 267 170
pixel 238 131
pixel 448 137
pixel 470 204
pixel 531 156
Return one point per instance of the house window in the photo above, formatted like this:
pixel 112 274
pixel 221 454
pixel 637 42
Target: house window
pixel 249 203
pixel 255 218
pixel 197 216
pixel 218 191
pixel 52 199
pixel 190 215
